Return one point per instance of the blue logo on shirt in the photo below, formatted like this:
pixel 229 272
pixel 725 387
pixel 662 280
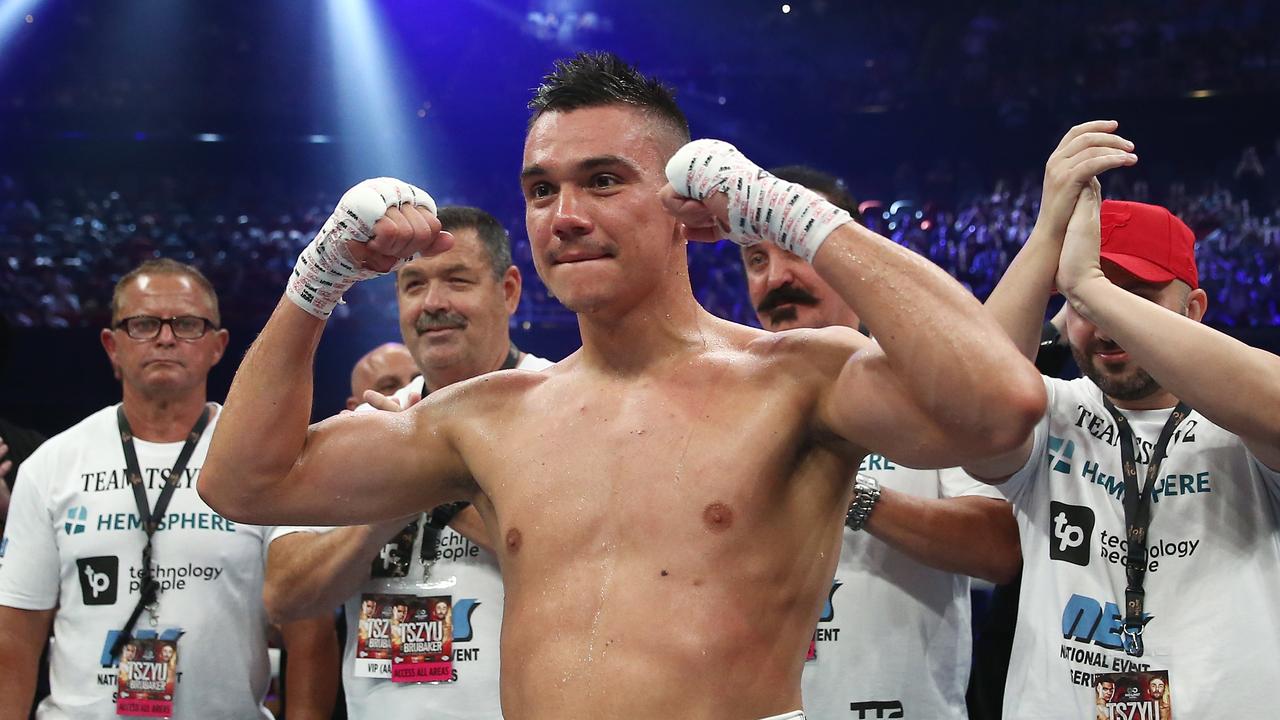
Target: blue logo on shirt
pixel 76 515
pixel 462 611
pixel 1060 452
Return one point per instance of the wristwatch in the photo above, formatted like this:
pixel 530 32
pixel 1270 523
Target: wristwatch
pixel 866 492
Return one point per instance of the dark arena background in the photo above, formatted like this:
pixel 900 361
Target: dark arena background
pixel 222 134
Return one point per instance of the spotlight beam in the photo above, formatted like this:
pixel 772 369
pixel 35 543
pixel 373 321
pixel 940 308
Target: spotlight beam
pixel 371 112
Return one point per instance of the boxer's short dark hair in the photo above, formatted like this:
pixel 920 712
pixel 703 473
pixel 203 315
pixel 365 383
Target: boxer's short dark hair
pixel 601 78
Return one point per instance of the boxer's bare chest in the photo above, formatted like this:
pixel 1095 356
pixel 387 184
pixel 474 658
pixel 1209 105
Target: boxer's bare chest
pixel 701 449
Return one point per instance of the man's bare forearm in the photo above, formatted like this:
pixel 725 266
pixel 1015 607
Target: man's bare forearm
pixel 309 573
pixel 264 423
pixel 22 637
pixel 313 673
pixel 17 683
pixel 976 536
pixel 1192 360
pixel 1019 300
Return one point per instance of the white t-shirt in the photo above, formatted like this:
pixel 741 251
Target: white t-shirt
pixel 466 572
pixel 894 638
pixel 73 542
pixel 1213 576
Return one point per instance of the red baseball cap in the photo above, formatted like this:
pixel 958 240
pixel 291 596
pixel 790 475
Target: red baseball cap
pixel 1149 241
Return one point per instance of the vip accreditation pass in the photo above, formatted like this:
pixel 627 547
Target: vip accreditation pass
pixel 1133 696
pixel 373 639
pixel 422 639
pixel 148 675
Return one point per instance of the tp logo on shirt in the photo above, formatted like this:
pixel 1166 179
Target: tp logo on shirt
pixel 1070 530
pixel 1060 452
pixel 98 579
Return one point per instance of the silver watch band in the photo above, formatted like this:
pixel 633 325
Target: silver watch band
pixel 866 492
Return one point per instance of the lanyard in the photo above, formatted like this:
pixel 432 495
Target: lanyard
pixel 1137 517
pixel 434 522
pixel 150 518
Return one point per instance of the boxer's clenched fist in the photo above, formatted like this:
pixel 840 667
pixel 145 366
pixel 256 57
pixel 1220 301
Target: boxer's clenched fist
pixel 377 225
pixel 714 189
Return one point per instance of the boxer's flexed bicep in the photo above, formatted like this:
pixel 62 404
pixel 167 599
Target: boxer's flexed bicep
pixel 364 467
pixel 867 404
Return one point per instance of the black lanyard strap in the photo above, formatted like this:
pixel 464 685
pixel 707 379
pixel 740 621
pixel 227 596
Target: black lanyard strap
pixel 150 517
pixel 1137 516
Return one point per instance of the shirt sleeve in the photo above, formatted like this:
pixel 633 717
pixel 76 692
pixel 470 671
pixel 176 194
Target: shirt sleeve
pixel 280 531
pixel 956 482
pixel 30 569
pixel 1019 484
pixel 1270 476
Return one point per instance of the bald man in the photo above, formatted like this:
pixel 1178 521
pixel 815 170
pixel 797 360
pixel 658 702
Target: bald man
pixel 384 369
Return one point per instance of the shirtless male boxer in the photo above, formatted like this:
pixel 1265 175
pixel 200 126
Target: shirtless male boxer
pixel 644 488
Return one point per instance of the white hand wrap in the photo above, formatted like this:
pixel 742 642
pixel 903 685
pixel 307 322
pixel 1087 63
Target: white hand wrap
pixel 325 269
pixel 761 206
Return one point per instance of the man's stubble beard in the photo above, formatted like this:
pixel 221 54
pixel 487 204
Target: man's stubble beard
pixel 1137 385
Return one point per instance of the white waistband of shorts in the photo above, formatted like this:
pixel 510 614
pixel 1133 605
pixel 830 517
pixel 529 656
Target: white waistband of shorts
pixel 796 715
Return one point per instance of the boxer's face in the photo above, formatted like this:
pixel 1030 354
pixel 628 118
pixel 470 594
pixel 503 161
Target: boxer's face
pixel 1102 360
pixel 164 365
pixel 1106 690
pixel 453 311
pixel 788 293
pixel 599 234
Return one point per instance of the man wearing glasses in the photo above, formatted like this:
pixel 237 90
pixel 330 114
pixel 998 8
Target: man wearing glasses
pixel 108 540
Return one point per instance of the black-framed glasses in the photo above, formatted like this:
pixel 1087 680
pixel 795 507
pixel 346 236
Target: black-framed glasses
pixel 147 327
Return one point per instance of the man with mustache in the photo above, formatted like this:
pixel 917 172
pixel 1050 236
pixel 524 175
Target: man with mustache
pixel 1148 497
pixel 796 297
pixel 642 491
pixel 910 543
pixel 455 311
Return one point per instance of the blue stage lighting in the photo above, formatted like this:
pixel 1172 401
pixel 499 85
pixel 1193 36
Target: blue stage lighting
pixel 13 15
pixel 373 115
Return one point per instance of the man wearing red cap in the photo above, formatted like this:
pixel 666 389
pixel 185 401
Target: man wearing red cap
pixel 1148 498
